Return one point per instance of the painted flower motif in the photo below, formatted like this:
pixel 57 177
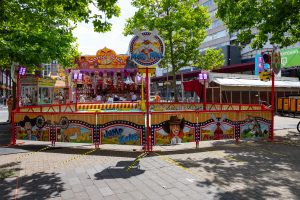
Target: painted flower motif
pixel 40 121
pixel 64 122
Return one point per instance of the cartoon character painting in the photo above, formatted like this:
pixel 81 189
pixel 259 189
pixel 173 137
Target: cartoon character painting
pixel 217 129
pixel 174 127
pixel 253 128
pixel 28 125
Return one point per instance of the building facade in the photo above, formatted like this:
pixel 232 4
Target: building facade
pixel 50 69
pixel 5 83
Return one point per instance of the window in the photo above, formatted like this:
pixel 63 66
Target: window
pixel 215 24
pixel 47 69
pixel 215 36
pixel 208 3
pixel 213 13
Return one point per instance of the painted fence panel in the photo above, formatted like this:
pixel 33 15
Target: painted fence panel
pixel 180 127
pixel 61 127
pixel 129 127
pixel 174 127
pixel 121 128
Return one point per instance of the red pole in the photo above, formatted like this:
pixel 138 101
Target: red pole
pixel 273 105
pixel 18 93
pixel 76 96
pixel 148 134
pixel 204 98
pixel 13 137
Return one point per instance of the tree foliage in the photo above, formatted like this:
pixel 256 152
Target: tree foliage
pixel 259 21
pixel 38 31
pixel 182 25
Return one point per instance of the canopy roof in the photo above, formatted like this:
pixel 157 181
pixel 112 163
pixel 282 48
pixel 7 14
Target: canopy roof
pixel 255 83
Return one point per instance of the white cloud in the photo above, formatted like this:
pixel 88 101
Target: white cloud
pixel 90 42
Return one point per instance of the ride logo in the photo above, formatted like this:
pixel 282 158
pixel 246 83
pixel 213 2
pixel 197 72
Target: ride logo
pixel 120 135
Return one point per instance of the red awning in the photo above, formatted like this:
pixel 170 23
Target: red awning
pixel 236 68
pixel 193 86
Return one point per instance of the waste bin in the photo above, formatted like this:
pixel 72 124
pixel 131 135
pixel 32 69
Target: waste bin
pixel 5 133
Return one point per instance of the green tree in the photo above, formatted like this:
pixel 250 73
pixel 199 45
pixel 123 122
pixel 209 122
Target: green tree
pixel 38 31
pixel 276 21
pixel 182 25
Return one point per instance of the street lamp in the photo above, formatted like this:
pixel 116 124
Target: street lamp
pixel 204 76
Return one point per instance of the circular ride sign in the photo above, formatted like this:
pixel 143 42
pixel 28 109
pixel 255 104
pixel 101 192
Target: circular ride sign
pixel 146 48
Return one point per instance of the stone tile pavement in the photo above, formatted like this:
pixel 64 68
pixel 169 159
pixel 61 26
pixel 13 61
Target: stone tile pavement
pixel 216 170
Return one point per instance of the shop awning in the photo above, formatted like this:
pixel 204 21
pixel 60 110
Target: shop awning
pixel 255 83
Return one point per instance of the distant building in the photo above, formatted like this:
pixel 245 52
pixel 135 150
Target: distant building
pixel 5 83
pixel 50 69
pixel 218 36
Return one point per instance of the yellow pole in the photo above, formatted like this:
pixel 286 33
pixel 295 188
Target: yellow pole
pixel 143 105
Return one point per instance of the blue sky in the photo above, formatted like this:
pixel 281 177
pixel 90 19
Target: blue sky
pixel 90 41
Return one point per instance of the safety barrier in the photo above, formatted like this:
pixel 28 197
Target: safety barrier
pixel 218 121
pixel 288 105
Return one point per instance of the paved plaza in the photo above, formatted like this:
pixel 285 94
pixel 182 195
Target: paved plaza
pixel 216 170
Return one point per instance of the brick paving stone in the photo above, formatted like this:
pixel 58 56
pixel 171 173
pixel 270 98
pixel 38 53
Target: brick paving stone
pixel 81 195
pixel 112 197
pixel 247 171
pixel 193 194
pixel 176 192
pixel 106 191
pixel 79 170
pixel 95 197
pixel 67 194
pixel 180 185
pixel 125 196
pixel 100 183
pixel 74 181
pixel 78 188
pixel 99 168
pixel 127 185
pixel 115 186
pixel 110 181
pixel 150 183
pixel 55 198
pixel 137 195
pixel 160 190
pixel 87 182
pixel 149 193
pixel 170 197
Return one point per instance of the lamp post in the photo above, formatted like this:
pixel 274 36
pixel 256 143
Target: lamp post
pixel 204 76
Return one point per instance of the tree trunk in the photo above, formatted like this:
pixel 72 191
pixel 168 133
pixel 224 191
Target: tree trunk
pixel 14 86
pixel 174 86
pixel 14 94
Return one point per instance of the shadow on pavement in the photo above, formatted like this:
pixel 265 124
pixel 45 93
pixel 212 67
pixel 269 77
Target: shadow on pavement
pixel 37 186
pixel 8 170
pixel 259 171
pixel 120 171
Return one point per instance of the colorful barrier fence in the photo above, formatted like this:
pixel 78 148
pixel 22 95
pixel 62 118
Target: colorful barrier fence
pixel 167 127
